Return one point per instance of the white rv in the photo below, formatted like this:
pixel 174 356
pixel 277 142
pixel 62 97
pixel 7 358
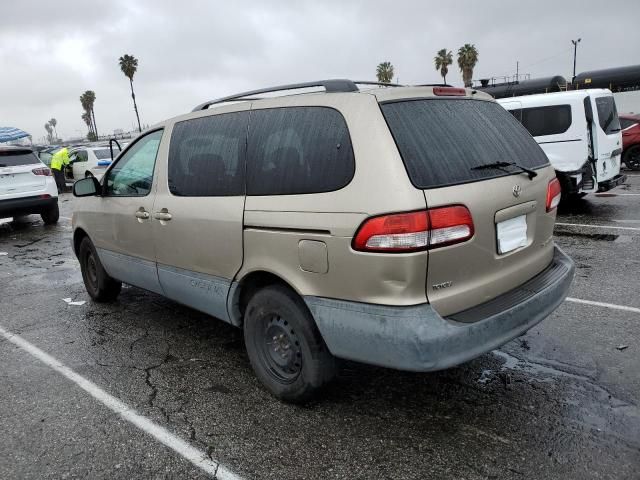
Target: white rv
pixel 579 131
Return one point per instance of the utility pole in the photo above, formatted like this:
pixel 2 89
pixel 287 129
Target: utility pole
pixel 575 50
pixel 517 71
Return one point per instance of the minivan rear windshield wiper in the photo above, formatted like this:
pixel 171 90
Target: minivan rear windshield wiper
pixel 501 165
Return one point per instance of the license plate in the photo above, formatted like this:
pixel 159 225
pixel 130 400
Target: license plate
pixel 512 234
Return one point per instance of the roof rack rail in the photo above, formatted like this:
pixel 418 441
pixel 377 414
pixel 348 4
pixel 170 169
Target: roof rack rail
pixel 330 86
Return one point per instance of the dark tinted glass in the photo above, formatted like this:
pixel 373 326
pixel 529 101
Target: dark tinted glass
pixel 607 115
pixel 206 157
pixel 14 158
pixel 550 120
pixel 298 150
pixel 626 123
pixel 442 140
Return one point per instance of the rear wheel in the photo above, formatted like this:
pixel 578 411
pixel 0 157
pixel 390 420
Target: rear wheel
pixel 51 215
pixel 284 345
pixel 632 157
pixel 100 286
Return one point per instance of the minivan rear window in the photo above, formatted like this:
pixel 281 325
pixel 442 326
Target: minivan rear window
pixel 608 115
pixel 441 140
pixel 13 158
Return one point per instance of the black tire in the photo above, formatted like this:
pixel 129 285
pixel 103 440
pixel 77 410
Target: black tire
pixel 632 157
pixel 100 286
pixel 51 215
pixel 285 348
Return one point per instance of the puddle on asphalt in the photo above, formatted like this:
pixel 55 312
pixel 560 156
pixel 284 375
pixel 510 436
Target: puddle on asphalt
pixel 607 237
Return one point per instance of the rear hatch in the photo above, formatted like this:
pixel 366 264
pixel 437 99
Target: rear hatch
pixel 443 141
pixel 16 172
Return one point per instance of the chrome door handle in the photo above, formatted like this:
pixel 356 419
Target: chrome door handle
pixel 163 215
pixel 142 214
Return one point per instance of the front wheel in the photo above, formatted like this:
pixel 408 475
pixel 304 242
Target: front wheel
pixel 632 157
pixel 100 286
pixel 284 345
pixel 51 215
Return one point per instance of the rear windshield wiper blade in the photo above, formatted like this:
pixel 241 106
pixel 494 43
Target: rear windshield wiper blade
pixel 501 165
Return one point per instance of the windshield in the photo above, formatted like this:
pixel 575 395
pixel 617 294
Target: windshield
pixel 442 140
pixel 607 115
pixel 105 153
pixel 14 158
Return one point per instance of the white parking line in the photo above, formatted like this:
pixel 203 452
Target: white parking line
pixel 603 304
pixel 596 226
pixel 182 448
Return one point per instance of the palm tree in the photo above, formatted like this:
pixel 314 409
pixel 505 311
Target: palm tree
pixel 87 99
pixel 86 118
pixel 467 59
pixel 53 122
pixel 442 60
pixel 384 72
pixel 129 66
pixel 49 129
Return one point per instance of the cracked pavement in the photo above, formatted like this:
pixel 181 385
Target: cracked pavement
pixel 560 402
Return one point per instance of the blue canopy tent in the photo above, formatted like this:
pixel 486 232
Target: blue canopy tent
pixel 8 134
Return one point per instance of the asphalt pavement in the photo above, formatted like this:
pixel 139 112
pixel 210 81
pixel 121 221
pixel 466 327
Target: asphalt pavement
pixel 559 402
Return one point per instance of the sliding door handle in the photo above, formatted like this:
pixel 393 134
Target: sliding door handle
pixel 163 215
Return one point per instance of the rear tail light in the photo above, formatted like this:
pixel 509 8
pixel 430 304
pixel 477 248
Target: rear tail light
pixel 554 192
pixel 449 91
pixel 415 231
pixel 42 171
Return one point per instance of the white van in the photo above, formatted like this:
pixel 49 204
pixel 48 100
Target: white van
pixel 580 133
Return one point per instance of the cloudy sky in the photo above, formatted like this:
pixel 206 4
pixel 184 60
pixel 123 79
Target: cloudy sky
pixel 191 51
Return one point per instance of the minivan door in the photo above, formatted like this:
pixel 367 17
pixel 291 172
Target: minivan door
pixel 465 152
pixel 607 136
pixel 198 212
pixel 120 220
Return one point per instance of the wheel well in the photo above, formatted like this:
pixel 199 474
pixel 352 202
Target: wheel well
pixel 249 285
pixel 78 236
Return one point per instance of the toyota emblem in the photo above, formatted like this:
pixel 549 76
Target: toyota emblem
pixel 516 190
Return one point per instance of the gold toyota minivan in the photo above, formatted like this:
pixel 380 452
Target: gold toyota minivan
pixel 406 227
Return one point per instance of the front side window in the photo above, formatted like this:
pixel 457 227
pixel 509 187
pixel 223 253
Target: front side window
pixel 79 156
pixel 207 156
pixel 549 120
pixel 607 115
pixel 132 175
pixel 298 150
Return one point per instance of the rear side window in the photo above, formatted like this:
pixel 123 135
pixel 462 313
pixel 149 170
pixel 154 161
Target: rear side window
pixel 607 115
pixel 441 140
pixel 206 157
pixel 296 150
pixel 105 153
pixel 13 158
pixel 550 120
pixel 627 122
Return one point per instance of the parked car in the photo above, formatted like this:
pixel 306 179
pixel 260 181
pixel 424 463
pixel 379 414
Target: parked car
pixel 407 227
pixel 26 185
pixel 89 161
pixel 630 140
pixel 580 133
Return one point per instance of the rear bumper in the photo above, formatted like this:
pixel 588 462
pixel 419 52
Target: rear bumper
pixel 611 183
pixel 25 205
pixel 416 338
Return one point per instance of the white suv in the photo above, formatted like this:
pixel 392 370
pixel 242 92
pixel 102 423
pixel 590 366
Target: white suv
pixel 26 185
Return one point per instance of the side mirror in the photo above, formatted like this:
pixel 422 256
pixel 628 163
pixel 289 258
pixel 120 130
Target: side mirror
pixel 87 187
